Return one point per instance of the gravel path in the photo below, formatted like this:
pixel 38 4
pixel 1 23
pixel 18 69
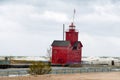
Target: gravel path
pixel 81 76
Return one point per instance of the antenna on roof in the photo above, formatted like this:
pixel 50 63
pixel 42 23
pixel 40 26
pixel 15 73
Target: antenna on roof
pixel 72 26
pixel 74 15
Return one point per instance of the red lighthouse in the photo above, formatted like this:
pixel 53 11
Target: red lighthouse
pixel 68 51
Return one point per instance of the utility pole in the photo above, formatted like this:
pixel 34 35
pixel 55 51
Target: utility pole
pixel 63 31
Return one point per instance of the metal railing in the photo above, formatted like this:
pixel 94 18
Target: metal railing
pixel 60 71
pixel 14 73
pixel 82 70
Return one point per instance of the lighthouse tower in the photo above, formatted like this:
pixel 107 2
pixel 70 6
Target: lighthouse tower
pixel 72 34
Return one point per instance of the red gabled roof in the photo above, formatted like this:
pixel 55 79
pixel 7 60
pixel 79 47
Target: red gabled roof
pixel 76 44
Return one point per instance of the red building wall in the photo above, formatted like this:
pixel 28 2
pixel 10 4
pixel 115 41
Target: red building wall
pixel 72 37
pixel 75 55
pixel 59 55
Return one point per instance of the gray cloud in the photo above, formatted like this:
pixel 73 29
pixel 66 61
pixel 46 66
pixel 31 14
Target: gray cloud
pixel 28 27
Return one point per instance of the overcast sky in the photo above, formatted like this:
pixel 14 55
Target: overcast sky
pixel 28 27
